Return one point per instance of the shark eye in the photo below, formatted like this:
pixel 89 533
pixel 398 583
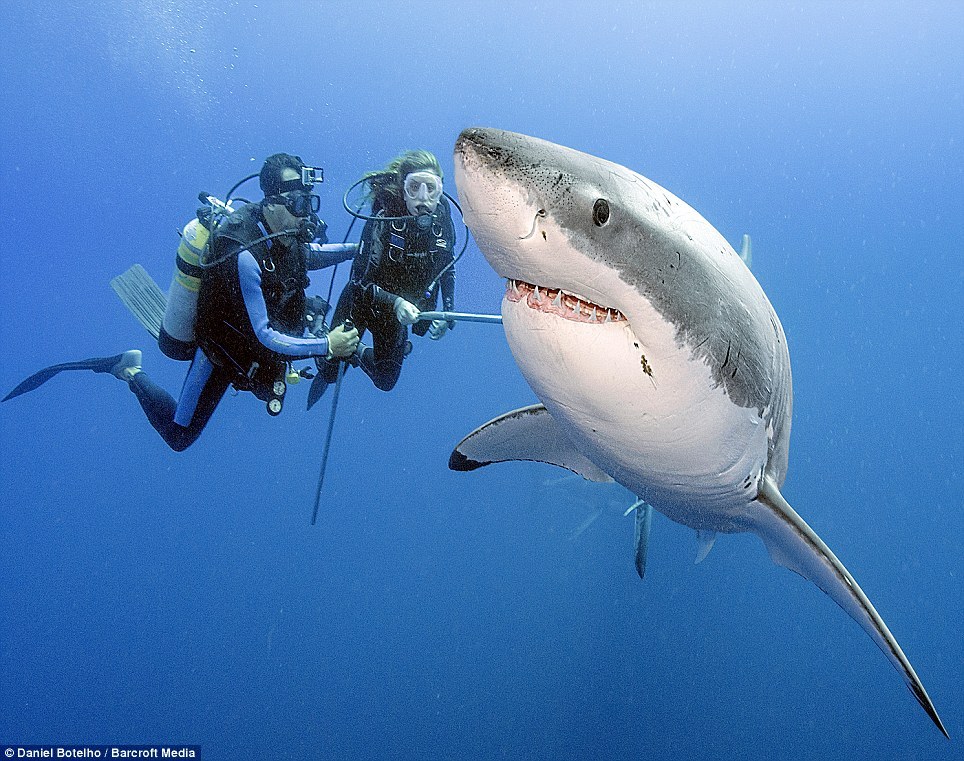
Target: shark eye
pixel 600 212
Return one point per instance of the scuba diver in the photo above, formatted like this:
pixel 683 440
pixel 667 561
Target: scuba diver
pixel 405 259
pixel 251 315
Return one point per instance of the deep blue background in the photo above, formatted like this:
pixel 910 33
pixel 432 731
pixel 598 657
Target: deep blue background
pixel 149 596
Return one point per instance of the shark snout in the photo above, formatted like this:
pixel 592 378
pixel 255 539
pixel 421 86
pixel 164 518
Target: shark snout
pixel 498 150
pixel 469 138
pixel 494 200
pixel 480 140
pixel 482 149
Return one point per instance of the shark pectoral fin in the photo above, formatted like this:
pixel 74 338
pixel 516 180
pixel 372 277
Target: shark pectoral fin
pixel 706 539
pixel 528 433
pixel 794 545
pixel 644 521
pixel 746 253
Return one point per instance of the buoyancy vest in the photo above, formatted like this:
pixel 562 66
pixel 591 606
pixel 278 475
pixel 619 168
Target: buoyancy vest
pixel 224 328
pixel 404 258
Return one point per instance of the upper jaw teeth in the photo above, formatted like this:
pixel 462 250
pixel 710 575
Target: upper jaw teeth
pixel 560 302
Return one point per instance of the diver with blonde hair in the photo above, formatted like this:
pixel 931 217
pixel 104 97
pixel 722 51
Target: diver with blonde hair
pixel 405 261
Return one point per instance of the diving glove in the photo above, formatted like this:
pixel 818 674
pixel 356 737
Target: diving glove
pixel 342 342
pixel 406 311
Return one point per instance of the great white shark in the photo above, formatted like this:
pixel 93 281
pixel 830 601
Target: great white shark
pixel 659 361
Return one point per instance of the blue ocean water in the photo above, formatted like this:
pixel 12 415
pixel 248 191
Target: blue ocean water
pixel 153 597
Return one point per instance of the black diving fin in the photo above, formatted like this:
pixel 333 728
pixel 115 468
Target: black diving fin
pixel 317 389
pixel 97 364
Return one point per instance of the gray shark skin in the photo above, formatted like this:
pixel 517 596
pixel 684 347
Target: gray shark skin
pixel 657 357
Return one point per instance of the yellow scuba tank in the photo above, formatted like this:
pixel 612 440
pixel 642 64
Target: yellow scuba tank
pixel 177 339
pixel 177 335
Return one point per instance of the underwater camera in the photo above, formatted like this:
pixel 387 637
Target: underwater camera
pixel 311 175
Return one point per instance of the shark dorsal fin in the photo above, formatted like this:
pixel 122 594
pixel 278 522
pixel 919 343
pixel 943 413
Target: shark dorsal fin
pixel 746 253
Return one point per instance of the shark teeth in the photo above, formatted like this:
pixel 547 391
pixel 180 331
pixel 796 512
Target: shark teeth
pixel 562 303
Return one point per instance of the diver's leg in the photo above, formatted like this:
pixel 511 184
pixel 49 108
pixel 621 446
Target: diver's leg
pixel 208 400
pixel 383 362
pixel 180 423
pixel 158 405
pixel 346 301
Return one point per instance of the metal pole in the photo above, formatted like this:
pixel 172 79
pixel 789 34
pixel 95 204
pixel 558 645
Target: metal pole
pixel 331 427
pixel 460 317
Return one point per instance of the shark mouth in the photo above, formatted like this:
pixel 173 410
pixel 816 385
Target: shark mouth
pixel 558 302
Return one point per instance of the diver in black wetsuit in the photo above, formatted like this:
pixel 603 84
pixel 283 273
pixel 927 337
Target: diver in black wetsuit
pixel 404 261
pixel 251 313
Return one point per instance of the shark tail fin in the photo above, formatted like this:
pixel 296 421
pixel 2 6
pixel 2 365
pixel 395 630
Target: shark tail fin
pixel 794 545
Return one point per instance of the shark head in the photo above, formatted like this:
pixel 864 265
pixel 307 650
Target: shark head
pixel 550 216
pixel 619 290
pixel 541 213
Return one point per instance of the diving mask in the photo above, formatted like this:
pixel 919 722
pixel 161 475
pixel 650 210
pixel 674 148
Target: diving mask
pixel 423 190
pixel 299 203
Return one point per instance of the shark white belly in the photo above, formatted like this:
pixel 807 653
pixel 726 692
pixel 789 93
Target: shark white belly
pixel 657 357
pixel 653 441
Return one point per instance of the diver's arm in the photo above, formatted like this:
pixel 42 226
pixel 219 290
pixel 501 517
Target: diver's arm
pixel 289 347
pixel 380 296
pixel 321 255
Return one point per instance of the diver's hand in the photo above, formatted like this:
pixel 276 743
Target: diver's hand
pixel 341 342
pixel 438 328
pixel 406 311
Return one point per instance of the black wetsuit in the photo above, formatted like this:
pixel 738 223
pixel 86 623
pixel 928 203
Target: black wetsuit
pixel 395 258
pixel 250 323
